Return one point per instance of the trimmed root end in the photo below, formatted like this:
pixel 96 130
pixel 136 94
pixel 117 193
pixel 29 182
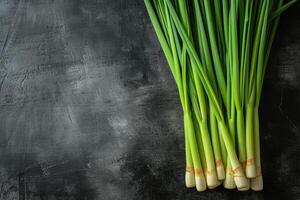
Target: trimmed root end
pixel 229 181
pixel 247 187
pixel 218 184
pixel 220 170
pixel 242 183
pixel 211 178
pixel 189 179
pixel 200 183
pixel 250 170
pixel 257 183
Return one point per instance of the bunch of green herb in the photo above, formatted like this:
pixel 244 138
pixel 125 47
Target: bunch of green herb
pixel 218 53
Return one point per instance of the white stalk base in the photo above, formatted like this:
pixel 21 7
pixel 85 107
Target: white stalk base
pixel 257 183
pixel 218 184
pixel 242 183
pixel 211 178
pixel 189 179
pixel 220 171
pixel 229 181
pixel 250 170
pixel 245 188
pixel 200 183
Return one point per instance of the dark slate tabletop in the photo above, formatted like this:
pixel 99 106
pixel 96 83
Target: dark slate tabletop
pixel 89 109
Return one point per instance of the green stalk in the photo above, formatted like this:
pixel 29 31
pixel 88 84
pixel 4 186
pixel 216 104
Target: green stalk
pixel 236 82
pixel 257 182
pixel 222 146
pixel 196 120
pixel 216 145
pixel 214 50
pixel 229 180
pixel 250 163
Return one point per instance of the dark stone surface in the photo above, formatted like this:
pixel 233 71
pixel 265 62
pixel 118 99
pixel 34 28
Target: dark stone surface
pixel 89 110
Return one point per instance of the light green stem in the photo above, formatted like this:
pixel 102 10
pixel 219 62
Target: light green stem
pixel 249 132
pixel 257 141
pixel 241 135
pixel 214 135
pixel 189 130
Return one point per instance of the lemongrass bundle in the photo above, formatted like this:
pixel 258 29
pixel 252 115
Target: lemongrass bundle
pixel 218 52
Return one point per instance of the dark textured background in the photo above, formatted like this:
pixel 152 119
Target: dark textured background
pixel 89 110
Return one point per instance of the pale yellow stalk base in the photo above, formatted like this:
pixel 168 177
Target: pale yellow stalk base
pixel 189 177
pixel 220 170
pixel 229 180
pixel 211 178
pixel 218 184
pixel 250 168
pixel 200 183
pixel 242 183
pixel 257 183
pixel 247 187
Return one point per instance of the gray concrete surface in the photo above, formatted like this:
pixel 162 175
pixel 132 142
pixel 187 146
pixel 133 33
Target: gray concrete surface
pixel 89 110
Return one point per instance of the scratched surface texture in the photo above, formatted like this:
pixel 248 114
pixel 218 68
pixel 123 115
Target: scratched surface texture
pixel 89 110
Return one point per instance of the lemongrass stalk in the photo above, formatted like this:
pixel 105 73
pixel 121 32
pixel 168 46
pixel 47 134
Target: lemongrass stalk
pixel 222 147
pixel 236 81
pixel 216 145
pixel 229 179
pixel 196 119
pixel 250 162
pixel 189 172
pixel 238 172
pixel 211 174
pixel 202 175
pixel 257 182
